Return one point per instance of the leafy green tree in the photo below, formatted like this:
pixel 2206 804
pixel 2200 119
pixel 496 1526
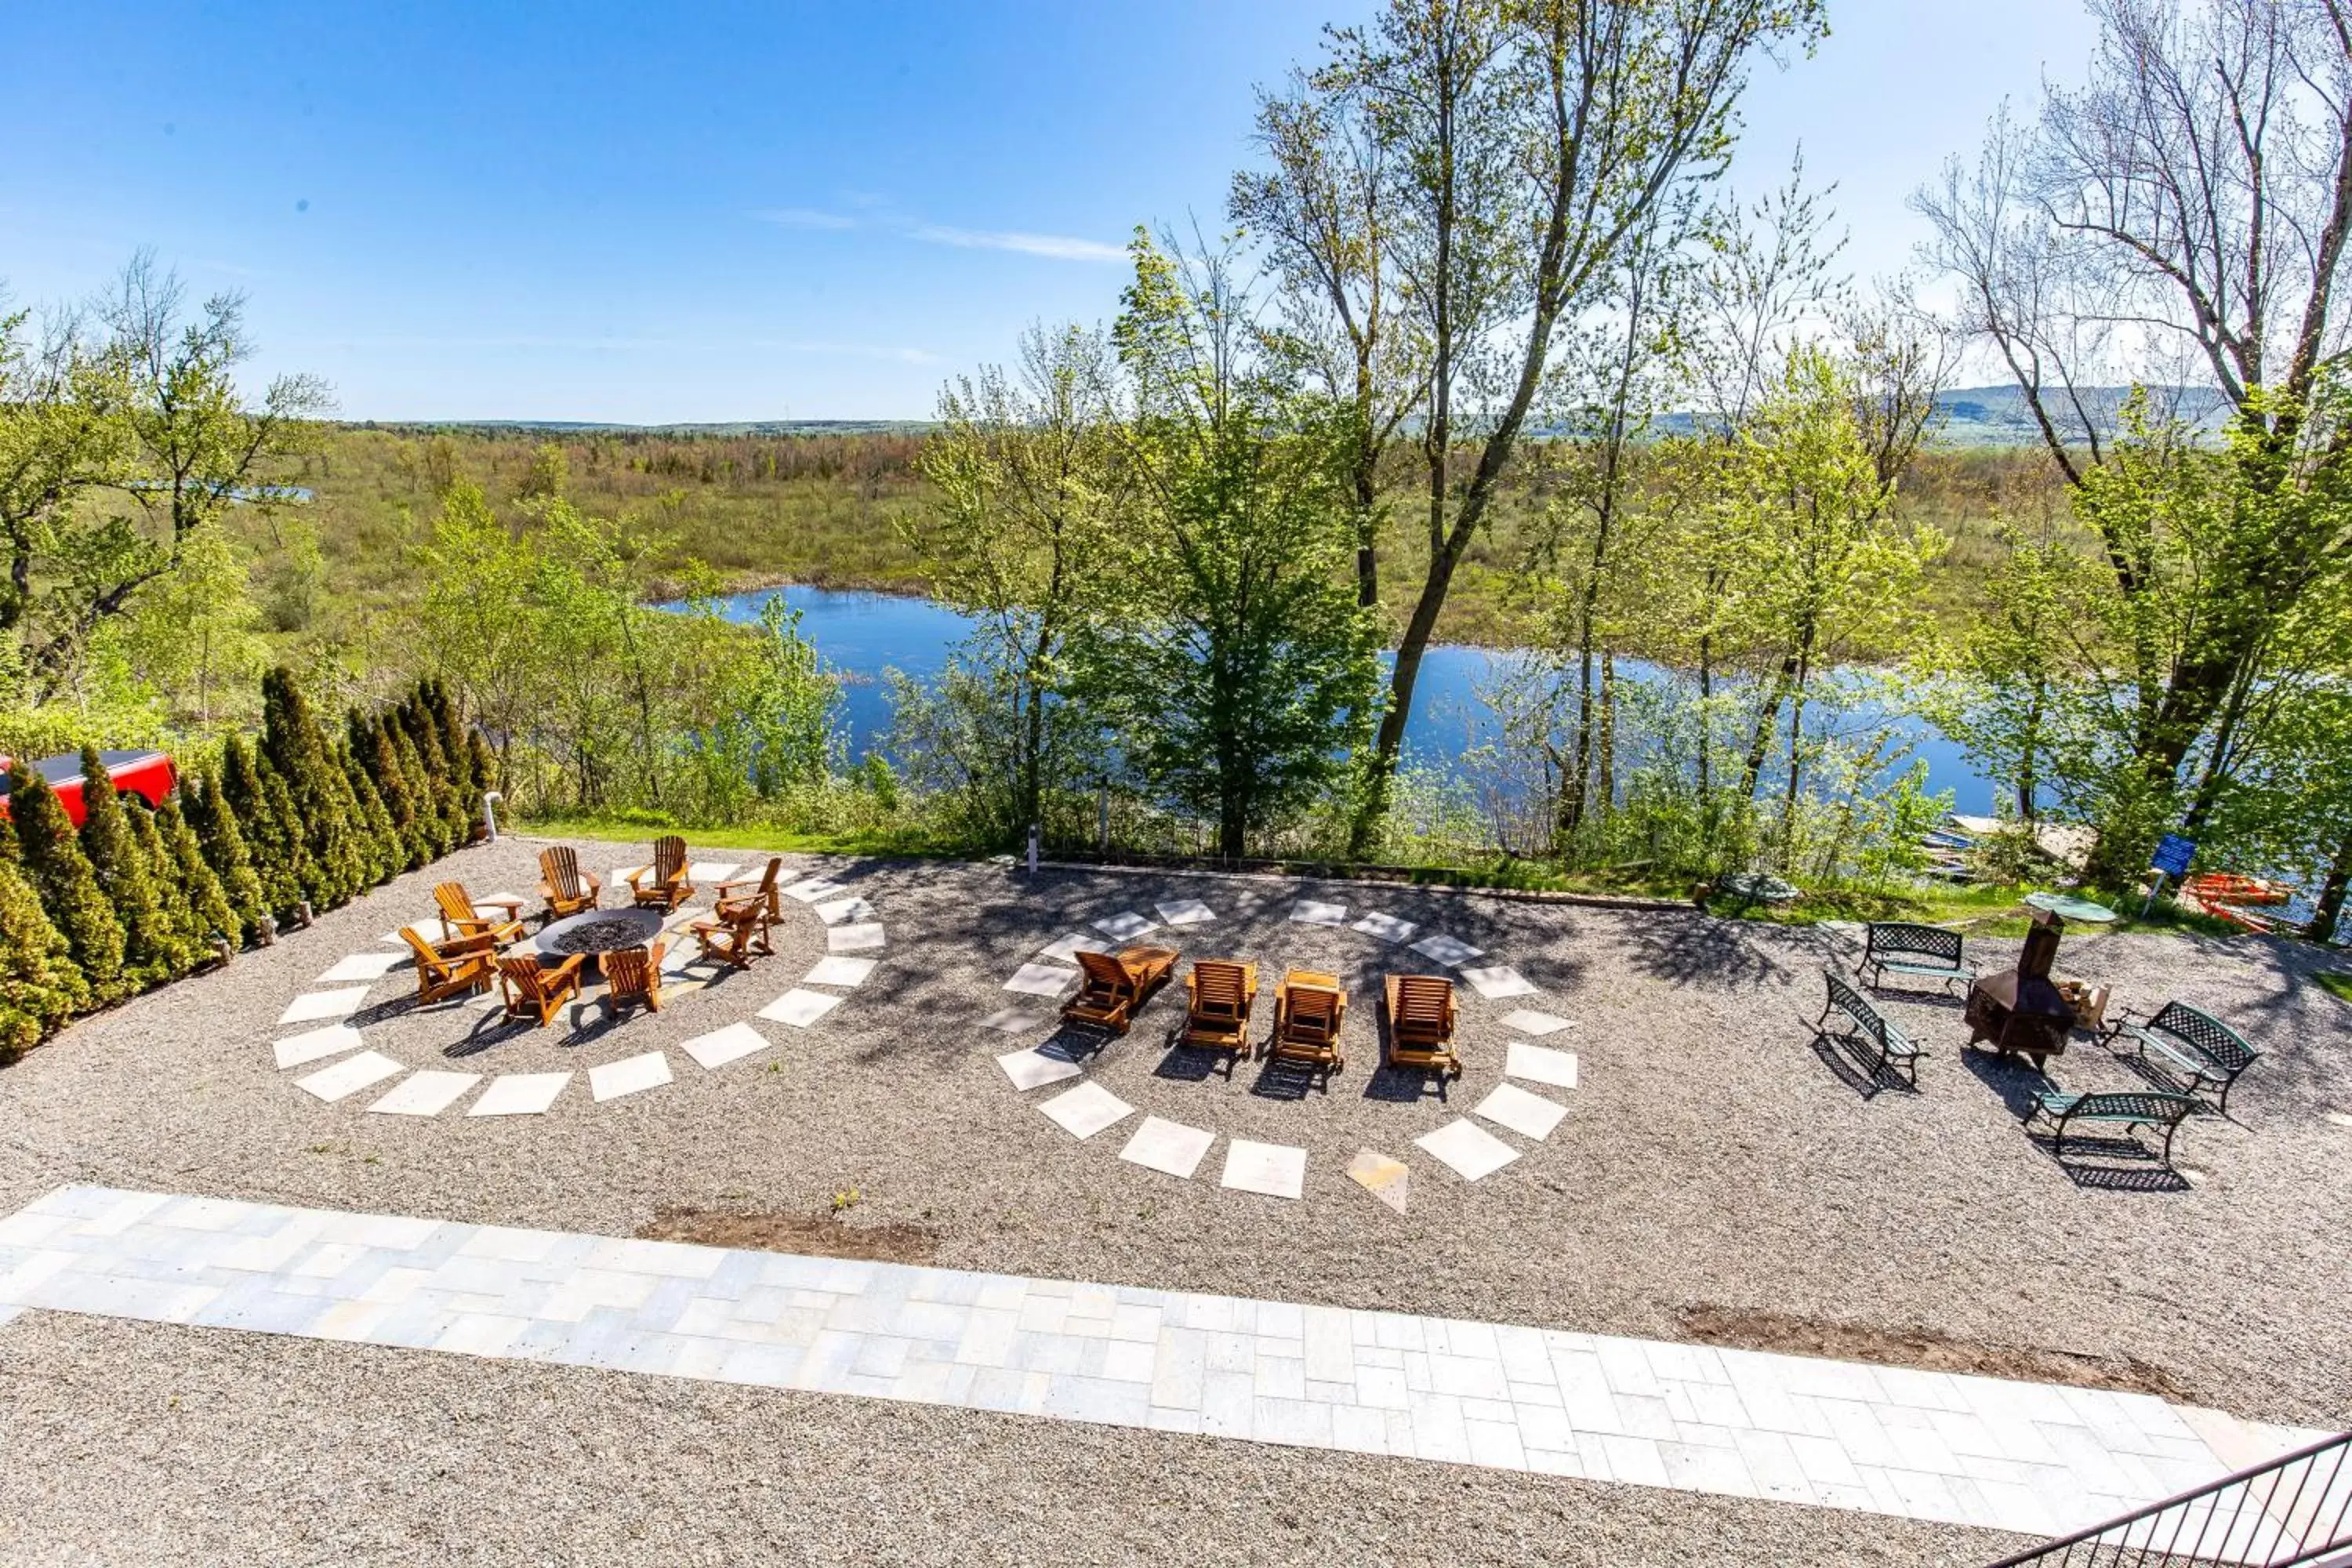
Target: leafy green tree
pixel 296 751
pixel 272 834
pixel 448 801
pixel 386 854
pixel 209 910
pixel 225 855
pixel 379 756
pixel 40 985
pixel 194 632
pixel 154 950
pixel 64 434
pixel 1228 645
pixel 58 871
pixel 432 821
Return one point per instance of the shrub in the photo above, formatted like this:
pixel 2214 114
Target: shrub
pixel 225 854
pixel 208 899
pixel 295 752
pixel 183 945
pixel 386 855
pixel 70 896
pixel 40 985
pixel 372 747
pixel 152 952
pixel 275 844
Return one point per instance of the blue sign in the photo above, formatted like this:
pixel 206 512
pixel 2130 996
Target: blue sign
pixel 2172 856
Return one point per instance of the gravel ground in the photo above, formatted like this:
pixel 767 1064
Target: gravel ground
pixel 1710 1158
pixel 156 1445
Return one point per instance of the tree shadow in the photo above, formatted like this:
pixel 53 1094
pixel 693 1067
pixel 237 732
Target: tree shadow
pixel 1695 949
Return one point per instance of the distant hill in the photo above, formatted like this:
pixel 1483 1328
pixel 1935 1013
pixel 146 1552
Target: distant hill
pixel 593 427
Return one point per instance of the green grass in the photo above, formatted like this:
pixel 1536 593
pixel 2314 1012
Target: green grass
pixel 2335 983
pixel 1983 912
pixel 637 828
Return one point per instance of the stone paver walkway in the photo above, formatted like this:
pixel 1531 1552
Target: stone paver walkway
pixel 1967 1450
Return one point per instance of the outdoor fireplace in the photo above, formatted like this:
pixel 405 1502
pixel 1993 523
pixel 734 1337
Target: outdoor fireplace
pixel 2020 1011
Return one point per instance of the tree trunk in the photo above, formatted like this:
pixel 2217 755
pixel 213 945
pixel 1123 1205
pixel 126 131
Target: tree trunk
pixel 2330 909
pixel 1608 769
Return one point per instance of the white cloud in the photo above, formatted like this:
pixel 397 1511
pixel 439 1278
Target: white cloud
pixel 1057 246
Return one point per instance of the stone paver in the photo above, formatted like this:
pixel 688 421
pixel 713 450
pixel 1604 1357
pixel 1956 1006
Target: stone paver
pixel 1537 1024
pixel 800 1008
pixel 350 1076
pixel 846 973
pixel 630 1074
pixel 1540 1064
pixel 1185 912
pixel 1127 925
pixel 862 937
pixel 2028 1458
pixel 1387 927
pixel 1169 1147
pixel 1066 949
pixel 1451 951
pixel 1277 1170
pixel 1466 1148
pixel 1390 1181
pixel 733 1043
pixel 1314 912
pixel 813 890
pixel 839 911
pixel 426 1093
pixel 1017 1020
pixel 317 1044
pixel 519 1094
pixel 1529 1115
pixel 1087 1109
pixel 1498 981
pixel 312 1007
pixel 1038 1067
pixel 1042 980
pixel 363 966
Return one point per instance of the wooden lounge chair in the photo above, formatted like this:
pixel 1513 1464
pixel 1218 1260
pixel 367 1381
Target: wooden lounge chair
pixel 1115 986
pixel 462 916
pixel 567 888
pixel 1219 993
pixel 736 935
pixel 456 968
pixel 1421 1022
pixel 1309 1008
pixel 533 987
pixel 760 894
pixel 634 975
pixel 662 885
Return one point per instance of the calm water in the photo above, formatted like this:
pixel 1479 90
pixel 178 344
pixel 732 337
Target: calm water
pixel 861 635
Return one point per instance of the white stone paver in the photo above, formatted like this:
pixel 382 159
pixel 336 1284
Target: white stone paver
pixel 1451 951
pixel 362 966
pixel 1314 912
pixel 1540 1064
pixel 1066 949
pixel 425 1093
pixel 864 937
pixel 1390 1181
pixel 733 1043
pixel 1017 1020
pixel 317 1044
pixel 1537 1024
pixel 350 1076
pixel 1037 1067
pixel 1499 981
pixel 1466 1148
pixel 1185 912
pixel 1387 927
pixel 519 1094
pixel 1169 1147
pixel 312 1007
pixel 813 890
pixel 1042 980
pixel 1936 1447
pixel 846 973
pixel 1277 1170
pixel 835 912
pixel 1529 1115
pixel 1087 1109
pixel 703 872
pixel 630 1074
pixel 799 1008
pixel 1127 925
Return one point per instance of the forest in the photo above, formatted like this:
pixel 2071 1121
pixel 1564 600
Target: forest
pixel 1501 343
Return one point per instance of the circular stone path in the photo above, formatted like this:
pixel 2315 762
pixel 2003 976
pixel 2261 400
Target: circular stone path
pixel 1464 1145
pixel 854 939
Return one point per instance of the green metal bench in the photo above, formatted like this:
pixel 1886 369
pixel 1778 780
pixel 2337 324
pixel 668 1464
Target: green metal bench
pixel 2151 1108
pixel 2190 1041
pixel 1888 1046
pixel 1926 952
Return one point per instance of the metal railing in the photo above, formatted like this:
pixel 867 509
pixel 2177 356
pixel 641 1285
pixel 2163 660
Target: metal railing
pixel 2296 1509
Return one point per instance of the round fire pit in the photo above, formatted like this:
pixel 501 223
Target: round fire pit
pixel 594 932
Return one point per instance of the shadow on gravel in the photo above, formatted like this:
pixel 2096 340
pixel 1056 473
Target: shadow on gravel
pixel 1685 950
pixel 1849 1063
pixel 1408 1086
pixel 2142 1170
pixel 2016 1082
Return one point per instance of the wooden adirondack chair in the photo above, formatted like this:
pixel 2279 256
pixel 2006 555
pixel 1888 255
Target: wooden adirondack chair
pixel 634 975
pixel 738 934
pixel 1421 1022
pixel 760 894
pixel 457 968
pixel 1219 995
pixel 1115 986
pixel 1309 1008
pixel 662 885
pixel 567 888
pixel 534 988
pixel 461 916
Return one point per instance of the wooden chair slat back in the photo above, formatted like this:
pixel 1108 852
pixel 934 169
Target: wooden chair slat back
pixel 1421 1001
pixel 1102 969
pixel 526 976
pixel 560 866
pixel 1219 985
pixel 1313 1012
pixel 455 906
pixel 629 971
pixel 670 858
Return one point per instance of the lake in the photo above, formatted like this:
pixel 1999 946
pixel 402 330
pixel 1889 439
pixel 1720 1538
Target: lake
pixel 860 635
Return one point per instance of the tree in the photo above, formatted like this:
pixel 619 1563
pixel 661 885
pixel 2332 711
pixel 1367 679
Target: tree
pixel 1234 655
pixel 153 950
pixel 40 985
pixel 1530 142
pixel 373 744
pixel 193 634
pixel 1028 479
pixel 224 852
pixel 58 871
pixel 273 837
pixel 63 434
pixel 211 913
pixel 184 935
pixel 2190 203
pixel 387 853
pixel 296 751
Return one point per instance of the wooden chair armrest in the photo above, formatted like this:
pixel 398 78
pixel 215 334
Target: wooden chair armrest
pixel 472 942
pixel 569 966
pixel 653 957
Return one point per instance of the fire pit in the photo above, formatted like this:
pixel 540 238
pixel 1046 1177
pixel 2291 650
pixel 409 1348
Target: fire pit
pixel 593 932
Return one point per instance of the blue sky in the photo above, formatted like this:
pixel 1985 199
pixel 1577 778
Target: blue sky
pixel 733 212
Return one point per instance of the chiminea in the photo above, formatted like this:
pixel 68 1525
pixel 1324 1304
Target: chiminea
pixel 2020 1011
